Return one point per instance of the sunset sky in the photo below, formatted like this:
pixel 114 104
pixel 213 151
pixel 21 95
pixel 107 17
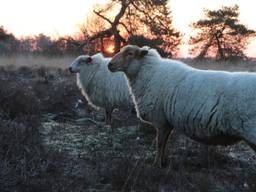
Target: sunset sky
pixel 61 17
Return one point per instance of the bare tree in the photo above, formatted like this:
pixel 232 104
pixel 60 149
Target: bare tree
pixel 137 17
pixel 91 27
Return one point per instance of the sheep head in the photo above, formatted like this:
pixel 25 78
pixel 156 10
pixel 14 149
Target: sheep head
pixel 79 62
pixel 128 59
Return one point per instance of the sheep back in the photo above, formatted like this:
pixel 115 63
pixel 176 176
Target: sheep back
pixel 201 104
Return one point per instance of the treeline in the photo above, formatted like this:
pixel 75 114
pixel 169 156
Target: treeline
pixel 45 45
pixel 39 45
pixel 219 34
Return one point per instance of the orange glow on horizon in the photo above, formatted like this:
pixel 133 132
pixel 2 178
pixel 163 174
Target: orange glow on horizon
pixel 110 49
pixel 59 18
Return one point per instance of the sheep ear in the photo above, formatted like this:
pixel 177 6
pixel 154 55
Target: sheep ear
pixel 89 60
pixel 143 52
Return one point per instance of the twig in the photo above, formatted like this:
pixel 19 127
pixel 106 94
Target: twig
pixel 133 170
pixel 130 175
pixel 91 120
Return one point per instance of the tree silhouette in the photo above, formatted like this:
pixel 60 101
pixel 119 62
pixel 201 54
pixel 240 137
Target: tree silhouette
pixel 150 18
pixel 92 26
pixel 43 42
pixel 220 34
pixel 8 43
pixel 3 34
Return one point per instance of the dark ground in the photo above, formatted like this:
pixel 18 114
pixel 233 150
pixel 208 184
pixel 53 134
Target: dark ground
pixel 51 140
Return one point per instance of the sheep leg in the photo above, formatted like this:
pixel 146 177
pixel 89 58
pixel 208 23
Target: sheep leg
pixel 164 148
pixel 162 137
pixel 108 119
pixel 108 114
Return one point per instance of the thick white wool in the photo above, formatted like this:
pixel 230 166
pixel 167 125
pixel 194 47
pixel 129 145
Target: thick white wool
pixel 102 88
pixel 204 105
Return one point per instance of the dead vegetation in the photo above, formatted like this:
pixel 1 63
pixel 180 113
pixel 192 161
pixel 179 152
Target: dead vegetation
pixel 48 144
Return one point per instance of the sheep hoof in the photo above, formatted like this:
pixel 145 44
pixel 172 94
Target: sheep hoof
pixel 164 163
pixel 160 164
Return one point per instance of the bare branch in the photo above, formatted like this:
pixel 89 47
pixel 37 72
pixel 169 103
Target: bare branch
pixel 70 40
pixel 103 17
pixel 147 15
pixel 102 34
pixel 126 28
pixel 121 38
pixel 121 12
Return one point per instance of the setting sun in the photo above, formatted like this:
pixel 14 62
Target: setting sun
pixel 110 49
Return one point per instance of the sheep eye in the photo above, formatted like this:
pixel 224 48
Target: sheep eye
pixel 82 62
pixel 130 53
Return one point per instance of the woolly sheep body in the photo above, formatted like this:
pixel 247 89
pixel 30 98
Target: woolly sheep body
pixel 212 107
pixel 102 88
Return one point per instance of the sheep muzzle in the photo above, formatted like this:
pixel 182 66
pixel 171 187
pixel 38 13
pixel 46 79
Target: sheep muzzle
pixel 70 70
pixel 111 67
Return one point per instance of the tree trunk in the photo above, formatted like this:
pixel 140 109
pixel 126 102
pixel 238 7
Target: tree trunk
pixel 220 50
pixel 117 39
pixel 205 49
pixel 102 44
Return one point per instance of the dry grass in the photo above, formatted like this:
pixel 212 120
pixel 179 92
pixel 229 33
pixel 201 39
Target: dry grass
pixel 231 66
pixel 44 149
pixel 35 61
pixel 62 62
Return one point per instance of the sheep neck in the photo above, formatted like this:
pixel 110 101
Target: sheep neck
pixel 137 82
pixel 86 79
pixel 140 85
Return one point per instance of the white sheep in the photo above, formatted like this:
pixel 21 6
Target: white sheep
pixel 101 88
pixel 212 107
